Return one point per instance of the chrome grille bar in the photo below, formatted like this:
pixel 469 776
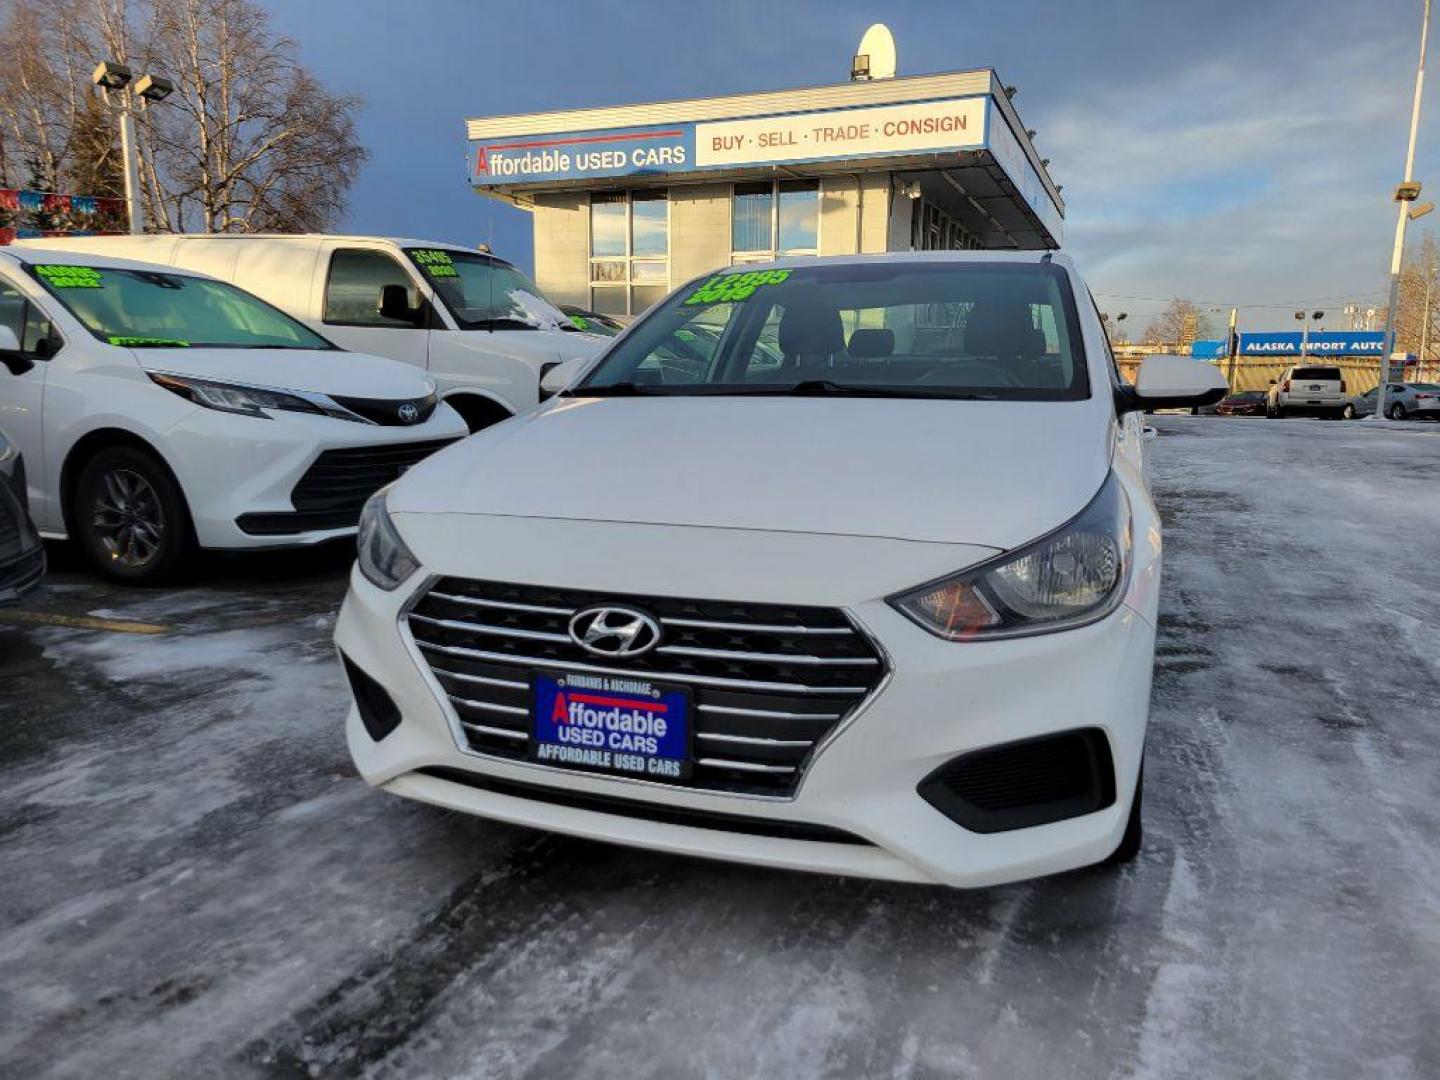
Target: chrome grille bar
pixel 753 740
pixel 488 706
pixel 483 680
pixel 502 605
pixel 504 733
pixel 768 714
pixel 494 631
pixel 745 766
pixel 757 628
pixel 769 658
pixel 632 673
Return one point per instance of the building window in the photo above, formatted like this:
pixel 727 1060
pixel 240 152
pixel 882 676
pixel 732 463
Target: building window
pixel 932 229
pixel 629 250
pixel 773 218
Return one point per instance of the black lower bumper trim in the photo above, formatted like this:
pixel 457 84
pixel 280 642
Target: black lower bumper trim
pixel 633 808
pixel 296 522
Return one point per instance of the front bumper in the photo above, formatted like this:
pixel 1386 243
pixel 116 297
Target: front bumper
pixel 942 699
pixel 240 473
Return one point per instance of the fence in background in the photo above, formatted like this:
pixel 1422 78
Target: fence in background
pixel 1360 373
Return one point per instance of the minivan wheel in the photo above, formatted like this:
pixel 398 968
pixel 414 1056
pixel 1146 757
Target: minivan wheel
pixel 1347 413
pixel 1134 830
pixel 130 516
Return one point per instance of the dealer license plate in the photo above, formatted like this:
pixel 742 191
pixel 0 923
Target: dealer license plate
pixel 610 724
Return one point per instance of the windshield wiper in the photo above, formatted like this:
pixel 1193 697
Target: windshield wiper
pixel 619 389
pixel 500 324
pixel 821 387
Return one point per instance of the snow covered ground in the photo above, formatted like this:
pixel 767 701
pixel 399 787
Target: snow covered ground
pixel 193 883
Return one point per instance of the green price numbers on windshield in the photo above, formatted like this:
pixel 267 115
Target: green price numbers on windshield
pixel 435 263
pixel 727 288
pixel 141 342
pixel 70 277
pixel 580 323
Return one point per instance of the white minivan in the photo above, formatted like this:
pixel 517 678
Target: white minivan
pixel 159 411
pixel 478 325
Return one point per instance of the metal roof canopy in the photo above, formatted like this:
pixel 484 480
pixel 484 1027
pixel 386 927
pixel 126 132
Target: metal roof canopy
pixel 969 183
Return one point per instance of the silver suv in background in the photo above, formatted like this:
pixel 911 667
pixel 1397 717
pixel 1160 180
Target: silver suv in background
pixel 1307 388
pixel 1402 401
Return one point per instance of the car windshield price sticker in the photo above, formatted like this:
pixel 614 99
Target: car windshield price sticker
pixel 610 724
pixel 436 263
pixel 147 342
pixel 70 277
pixel 727 288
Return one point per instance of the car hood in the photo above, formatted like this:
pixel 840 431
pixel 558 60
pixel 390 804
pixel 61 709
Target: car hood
pixel 997 474
pixel 321 371
pixel 536 346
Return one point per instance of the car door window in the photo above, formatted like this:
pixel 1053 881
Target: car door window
pixel 32 329
pixel 352 291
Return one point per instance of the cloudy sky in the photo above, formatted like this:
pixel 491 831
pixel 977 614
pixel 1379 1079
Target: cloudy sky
pixel 1236 153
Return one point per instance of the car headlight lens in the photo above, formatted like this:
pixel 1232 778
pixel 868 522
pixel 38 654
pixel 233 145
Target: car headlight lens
pixel 245 400
pixel 383 557
pixel 1067 578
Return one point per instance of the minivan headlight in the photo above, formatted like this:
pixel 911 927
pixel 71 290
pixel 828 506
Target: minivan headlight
pixel 383 557
pixel 245 400
pixel 1072 576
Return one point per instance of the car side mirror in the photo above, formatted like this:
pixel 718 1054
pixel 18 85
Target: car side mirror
pixel 557 377
pixel 11 355
pixel 1172 382
pixel 395 304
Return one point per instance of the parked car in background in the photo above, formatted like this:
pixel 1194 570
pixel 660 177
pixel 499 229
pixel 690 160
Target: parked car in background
pixel 1419 401
pixel 1307 389
pixel 1244 403
pixel 592 321
pixel 478 325
pixel 161 410
pixel 766 608
pixel 22 556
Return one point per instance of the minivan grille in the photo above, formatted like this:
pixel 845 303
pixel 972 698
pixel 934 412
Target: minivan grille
pixel 341 480
pixel 387 412
pixel 768 681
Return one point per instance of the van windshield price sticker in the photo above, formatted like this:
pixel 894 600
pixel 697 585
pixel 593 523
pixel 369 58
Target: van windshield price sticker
pixel 70 277
pixel 147 342
pixel 728 288
pixel 435 263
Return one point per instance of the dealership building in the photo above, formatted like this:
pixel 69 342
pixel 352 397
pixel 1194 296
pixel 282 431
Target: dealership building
pixel 630 201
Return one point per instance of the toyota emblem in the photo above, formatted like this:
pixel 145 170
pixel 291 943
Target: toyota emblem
pixel 614 632
pixel 409 412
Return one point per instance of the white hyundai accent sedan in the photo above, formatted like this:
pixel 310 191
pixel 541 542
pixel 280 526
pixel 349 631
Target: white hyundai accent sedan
pixel 843 564
pixel 160 410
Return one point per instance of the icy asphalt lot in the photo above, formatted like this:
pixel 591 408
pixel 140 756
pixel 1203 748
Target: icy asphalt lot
pixel 193 883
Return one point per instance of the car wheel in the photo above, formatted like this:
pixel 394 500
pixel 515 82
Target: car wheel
pixel 1347 413
pixel 1129 845
pixel 1396 411
pixel 130 516
pixel 1278 413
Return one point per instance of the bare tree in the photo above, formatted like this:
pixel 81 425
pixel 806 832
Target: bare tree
pixel 249 141
pixel 1417 319
pixel 1180 323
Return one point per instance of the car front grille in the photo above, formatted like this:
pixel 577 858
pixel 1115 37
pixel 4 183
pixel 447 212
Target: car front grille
pixel 387 412
pixel 341 480
pixel 769 682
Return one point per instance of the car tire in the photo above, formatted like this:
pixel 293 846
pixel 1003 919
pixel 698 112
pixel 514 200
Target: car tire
pixel 129 516
pixel 1347 413
pixel 1277 413
pixel 1396 411
pixel 1129 845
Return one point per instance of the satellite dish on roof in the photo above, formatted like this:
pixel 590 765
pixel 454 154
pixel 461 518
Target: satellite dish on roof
pixel 875 59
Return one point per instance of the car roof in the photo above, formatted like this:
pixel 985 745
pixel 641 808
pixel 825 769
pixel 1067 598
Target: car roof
pixel 958 257
pixel 44 256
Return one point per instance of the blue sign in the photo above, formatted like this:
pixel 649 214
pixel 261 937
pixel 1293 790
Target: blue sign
pixel 1210 349
pixel 612 725
pixel 1323 343
pixel 586 155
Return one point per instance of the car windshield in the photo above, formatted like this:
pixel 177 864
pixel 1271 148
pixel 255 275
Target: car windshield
pixel 1250 395
pixel 986 330
pixel 150 309
pixel 486 293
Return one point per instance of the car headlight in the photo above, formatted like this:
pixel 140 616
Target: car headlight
pixel 383 557
pixel 245 400
pixel 1072 576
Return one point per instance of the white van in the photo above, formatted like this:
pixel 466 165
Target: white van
pixel 478 325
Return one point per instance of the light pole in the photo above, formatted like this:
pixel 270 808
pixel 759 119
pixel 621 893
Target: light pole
pixel 116 81
pixel 1405 194
pixel 1305 330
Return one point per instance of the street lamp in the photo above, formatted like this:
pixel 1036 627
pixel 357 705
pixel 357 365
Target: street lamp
pixel 121 89
pixel 1405 195
pixel 1305 330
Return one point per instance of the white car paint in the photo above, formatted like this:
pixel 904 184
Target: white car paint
pixel 290 271
pixel 227 465
pixel 827 502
